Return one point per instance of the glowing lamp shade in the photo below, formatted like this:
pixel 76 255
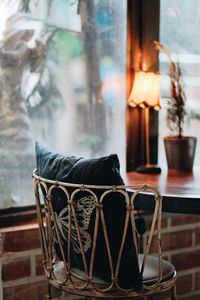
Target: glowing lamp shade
pixel 146 90
pixel 145 93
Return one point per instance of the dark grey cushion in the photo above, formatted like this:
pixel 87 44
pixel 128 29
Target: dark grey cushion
pixel 99 171
pixel 96 171
pixel 53 165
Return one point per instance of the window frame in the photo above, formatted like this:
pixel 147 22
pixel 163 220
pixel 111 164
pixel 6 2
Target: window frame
pixel 17 215
pixel 141 32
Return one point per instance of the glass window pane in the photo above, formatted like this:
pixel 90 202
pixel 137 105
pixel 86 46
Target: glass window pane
pixel 62 83
pixel 179 33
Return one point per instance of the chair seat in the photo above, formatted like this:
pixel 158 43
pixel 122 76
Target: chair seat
pixel 151 270
pixel 150 274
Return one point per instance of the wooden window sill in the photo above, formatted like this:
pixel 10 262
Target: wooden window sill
pixel 18 216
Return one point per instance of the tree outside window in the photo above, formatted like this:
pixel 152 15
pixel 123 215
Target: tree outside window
pixel 62 83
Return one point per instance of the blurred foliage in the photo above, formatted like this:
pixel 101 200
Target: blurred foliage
pixel 68 45
pixel 91 141
pixel 194 115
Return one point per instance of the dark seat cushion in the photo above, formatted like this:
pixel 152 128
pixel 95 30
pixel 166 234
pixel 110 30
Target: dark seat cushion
pixel 150 275
pixel 151 269
pixel 96 171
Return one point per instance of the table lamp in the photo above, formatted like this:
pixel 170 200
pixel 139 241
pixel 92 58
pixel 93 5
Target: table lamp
pixel 145 93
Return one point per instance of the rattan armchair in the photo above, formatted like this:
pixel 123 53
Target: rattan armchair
pixel 67 230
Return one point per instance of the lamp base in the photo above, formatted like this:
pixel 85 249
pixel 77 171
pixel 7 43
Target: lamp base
pixel 149 169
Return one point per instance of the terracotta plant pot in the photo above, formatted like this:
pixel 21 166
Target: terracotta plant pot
pixel 180 152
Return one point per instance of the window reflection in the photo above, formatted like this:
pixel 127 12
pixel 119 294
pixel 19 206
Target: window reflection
pixel 62 83
pixel 179 33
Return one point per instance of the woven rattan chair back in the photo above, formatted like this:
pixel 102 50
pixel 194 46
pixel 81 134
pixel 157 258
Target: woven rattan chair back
pixel 60 272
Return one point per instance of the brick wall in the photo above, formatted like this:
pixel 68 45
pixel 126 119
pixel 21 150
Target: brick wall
pixel 21 272
pixel 181 246
pixel 22 275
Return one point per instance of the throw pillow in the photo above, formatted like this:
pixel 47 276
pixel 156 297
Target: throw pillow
pixel 96 171
pixel 53 165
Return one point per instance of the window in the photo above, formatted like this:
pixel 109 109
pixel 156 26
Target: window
pixel 179 23
pixel 63 67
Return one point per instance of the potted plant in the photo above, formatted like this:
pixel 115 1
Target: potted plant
pixel 180 149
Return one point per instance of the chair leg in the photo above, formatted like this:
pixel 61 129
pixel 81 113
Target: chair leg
pixel 49 296
pixel 173 297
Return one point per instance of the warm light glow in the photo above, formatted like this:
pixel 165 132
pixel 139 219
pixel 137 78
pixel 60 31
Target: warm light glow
pixel 146 90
